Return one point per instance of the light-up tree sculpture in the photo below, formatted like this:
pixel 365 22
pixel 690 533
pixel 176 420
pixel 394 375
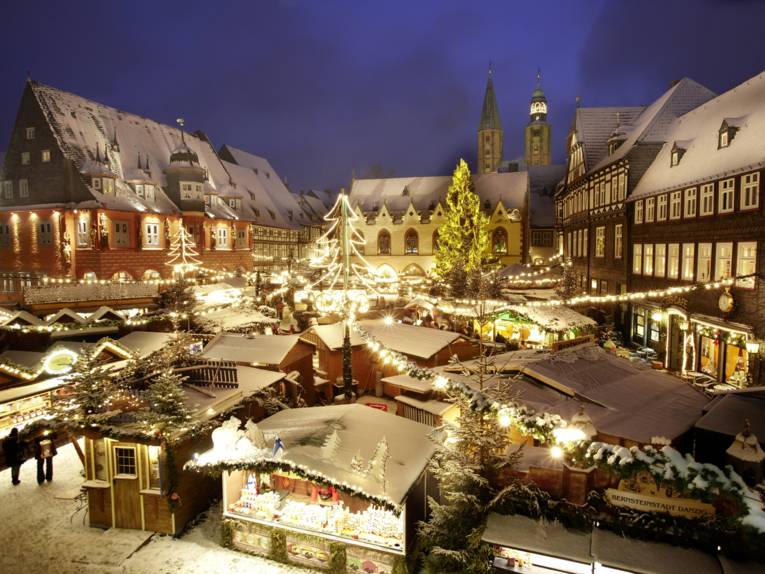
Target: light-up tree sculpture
pixel 182 255
pixel 346 277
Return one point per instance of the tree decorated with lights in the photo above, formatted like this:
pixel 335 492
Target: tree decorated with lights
pixel 91 391
pixel 567 286
pixel 165 401
pixel 463 238
pixel 345 278
pixel 183 254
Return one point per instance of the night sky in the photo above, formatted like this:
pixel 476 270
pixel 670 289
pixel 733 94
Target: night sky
pixel 324 87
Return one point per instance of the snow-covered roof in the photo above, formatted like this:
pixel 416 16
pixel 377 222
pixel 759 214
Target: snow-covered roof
pixel 249 381
pixel 332 335
pixel 622 398
pixel 702 160
pixel 422 342
pixel 432 406
pixel 653 123
pixel 554 318
pixel 360 429
pixel 144 343
pixel 542 182
pixel 426 192
pixel 727 413
pixel 593 127
pixel 233 319
pixel 250 349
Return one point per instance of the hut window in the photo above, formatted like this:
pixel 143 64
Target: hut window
pixel 154 468
pixel 99 460
pixel 125 461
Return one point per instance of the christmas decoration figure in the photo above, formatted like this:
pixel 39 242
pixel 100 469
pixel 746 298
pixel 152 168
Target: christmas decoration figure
pixel 278 446
pixel 183 254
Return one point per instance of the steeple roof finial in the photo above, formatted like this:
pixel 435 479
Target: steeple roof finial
pixel 539 77
pixel 181 122
pixel 490 111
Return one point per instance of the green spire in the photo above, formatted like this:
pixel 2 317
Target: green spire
pixel 490 112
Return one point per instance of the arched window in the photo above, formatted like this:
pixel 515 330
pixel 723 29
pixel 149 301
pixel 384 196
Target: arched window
pixel 435 240
pixel 383 243
pixel 499 241
pixel 411 242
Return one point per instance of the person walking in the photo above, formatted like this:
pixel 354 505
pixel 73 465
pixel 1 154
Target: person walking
pixel 14 450
pixel 45 450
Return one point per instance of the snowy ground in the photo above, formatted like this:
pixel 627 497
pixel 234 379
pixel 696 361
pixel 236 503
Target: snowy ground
pixel 37 535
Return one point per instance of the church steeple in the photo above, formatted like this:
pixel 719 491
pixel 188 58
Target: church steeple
pixel 490 133
pixel 538 137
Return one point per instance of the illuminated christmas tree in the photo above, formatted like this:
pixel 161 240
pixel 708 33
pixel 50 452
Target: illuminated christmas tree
pixel 183 254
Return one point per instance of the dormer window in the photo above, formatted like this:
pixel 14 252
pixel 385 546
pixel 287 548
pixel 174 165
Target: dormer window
pixel 149 192
pixel 676 154
pixel 97 183
pixel 728 131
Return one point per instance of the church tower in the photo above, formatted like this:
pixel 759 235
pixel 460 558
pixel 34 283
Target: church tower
pixel 537 141
pixel 489 131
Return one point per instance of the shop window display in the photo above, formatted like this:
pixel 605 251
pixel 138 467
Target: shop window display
pixel 736 365
pixel 709 353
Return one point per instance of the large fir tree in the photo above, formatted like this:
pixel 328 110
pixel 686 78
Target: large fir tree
pixel 463 238
pixel 90 392
pixel 165 401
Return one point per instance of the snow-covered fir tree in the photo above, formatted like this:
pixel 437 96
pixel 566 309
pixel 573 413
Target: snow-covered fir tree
pixel 378 463
pixel 463 237
pixel 468 465
pixel 91 392
pixel 165 401
pixel 331 445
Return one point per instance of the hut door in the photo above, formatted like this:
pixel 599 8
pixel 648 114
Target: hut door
pixel 126 486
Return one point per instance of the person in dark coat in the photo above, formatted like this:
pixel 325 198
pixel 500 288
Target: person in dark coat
pixel 14 454
pixel 45 450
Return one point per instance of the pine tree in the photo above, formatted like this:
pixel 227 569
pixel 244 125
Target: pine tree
pixel 165 404
pixel 567 286
pixel 92 391
pixel 379 462
pixel 331 445
pixel 468 465
pixel 463 238
pixel 183 254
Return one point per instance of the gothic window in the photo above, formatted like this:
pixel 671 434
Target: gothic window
pixel 411 242
pixel 499 241
pixel 383 243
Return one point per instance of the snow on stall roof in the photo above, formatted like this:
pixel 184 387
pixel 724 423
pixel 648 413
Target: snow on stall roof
pixel 21 391
pixel 232 319
pixel 30 359
pixel 144 343
pixel 652 124
pixel 422 342
pixel 360 429
pixel 643 557
pixel 332 335
pixel 548 538
pixel 410 383
pixel 432 406
pixel 248 349
pixel 555 318
pixel 426 192
pixel 250 380
pixel 702 160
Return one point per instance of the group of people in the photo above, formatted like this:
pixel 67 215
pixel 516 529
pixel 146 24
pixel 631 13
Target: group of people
pixel 44 449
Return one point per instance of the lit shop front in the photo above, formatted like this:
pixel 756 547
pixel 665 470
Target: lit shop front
pixel 338 488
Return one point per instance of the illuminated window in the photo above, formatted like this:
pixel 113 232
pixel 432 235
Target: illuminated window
pixel 45 155
pixel 690 202
pixel 8 189
pixel 726 196
pixel 383 243
pixel 650 208
pixel 411 242
pixel 661 208
pixel 108 186
pixel 661 260
pixel 673 260
pixel 637 258
pixel 222 238
pixel 648 259
pixel 723 260
pixel 241 238
pixel 618 241
pixel 707 199
pixel 499 241
pixel 155 468
pixel 750 190
pixel 675 205
pixel 83 232
pixel 746 263
pixel 688 260
pixel 151 235
pixel 600 242
pixel 30 133
pixel 124 461
pixel 704 263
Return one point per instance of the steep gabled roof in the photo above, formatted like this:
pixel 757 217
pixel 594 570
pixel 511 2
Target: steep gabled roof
pixel 425 192
pixel 653 123
pixel 699 131
pixel 593 127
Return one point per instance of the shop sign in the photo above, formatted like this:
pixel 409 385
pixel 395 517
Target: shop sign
pixel 687 507
pixel 60 362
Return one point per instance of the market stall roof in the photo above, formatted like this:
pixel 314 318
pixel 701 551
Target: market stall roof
pixel 422 342
pixel 623 399
pixel 554 318
pixel 542 537
pixel 359 431
pixel 22 391
pixel 409 383
pixel 249 349
pixel 726 413
pixel 610 549
pixel 210 401
pixel 231 319
pixel 144 343
pixel 332 335
pixel 432 406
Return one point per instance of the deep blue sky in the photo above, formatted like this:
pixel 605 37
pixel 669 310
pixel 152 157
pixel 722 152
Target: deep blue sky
pixel 323 87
